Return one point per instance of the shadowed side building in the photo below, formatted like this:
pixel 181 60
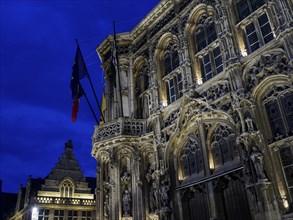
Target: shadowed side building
pixel 64 194
pixel 199 118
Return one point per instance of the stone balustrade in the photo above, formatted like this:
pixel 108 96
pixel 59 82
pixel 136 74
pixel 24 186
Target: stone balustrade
pixel 122 126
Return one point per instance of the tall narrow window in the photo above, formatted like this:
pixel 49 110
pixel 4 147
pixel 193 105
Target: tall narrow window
pixel 172 90
pixel 142 84
pixel 208 53
pixel 246 7
pixel 66 189
pixel 286 156
pixel 279 108
pixel 255 39
pixel 223 145
pixel 191 158
pixel 172 74
pixel 257 29
pixel 171 60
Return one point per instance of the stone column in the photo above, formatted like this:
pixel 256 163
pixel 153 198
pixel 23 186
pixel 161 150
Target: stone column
pixel 210 187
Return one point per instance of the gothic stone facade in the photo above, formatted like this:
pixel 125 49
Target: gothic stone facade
pixel 199 121
pixel 65 194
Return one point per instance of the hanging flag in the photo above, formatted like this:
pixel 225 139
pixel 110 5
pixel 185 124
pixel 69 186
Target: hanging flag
pixel 79 72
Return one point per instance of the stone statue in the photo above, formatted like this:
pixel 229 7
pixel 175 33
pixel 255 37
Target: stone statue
pixel 164 193
pixel 156 188
pixel 148 176
pixel 125 178
pixel 106 207
pixel 126 201
pixel 257 158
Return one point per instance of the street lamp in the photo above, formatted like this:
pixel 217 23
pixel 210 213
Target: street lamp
pixel 35 213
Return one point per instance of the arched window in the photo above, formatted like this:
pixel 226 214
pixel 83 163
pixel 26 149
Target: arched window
pixel 191 158
pixel 278 104
pixel 257 29
pixel 223 145
pixel 143 98
pixel 66 189
pixel 209 54
pixel 246 7
pixel 286 157
pixel 172 75
pixel 171 60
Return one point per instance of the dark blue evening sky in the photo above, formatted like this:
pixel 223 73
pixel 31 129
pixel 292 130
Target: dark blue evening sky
pixel 37 41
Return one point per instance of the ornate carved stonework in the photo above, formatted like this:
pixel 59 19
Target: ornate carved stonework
pixel 208 90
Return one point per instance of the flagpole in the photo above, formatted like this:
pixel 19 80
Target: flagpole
pixel 88 102
pixel 97 101
pixel 118 72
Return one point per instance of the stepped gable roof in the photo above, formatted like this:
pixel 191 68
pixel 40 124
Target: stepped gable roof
pixel 67 166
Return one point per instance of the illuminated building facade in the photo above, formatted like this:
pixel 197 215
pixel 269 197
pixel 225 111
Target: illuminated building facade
pixel 199 119
pixel 65 194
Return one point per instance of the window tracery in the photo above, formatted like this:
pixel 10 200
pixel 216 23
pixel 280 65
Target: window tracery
pixel 191 158
pixel 143 98
pixel 207 47
pixel 223 145
pixel 66 189
pixel 246 7
pixel 255 23
pixel 286 156
pixel 278 104
pixel 172 76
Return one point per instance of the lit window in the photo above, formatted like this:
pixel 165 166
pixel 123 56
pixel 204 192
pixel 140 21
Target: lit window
pixel 246 7
pixel 172 76
pixel 66 189
pixel 142 84
pixel 208 50
pixel 191 158
pixel 257 30
pixel 171 60
pixel 286 156
pixel 223 145
pixel 255 39
pixel 279 109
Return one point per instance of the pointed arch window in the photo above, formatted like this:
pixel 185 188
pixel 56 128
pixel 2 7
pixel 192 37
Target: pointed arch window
pixel 191 158
pixel 255 23
pixel 143 98
pixel 171 60
pixel 66 189
pixel 207 48
pixel 223 145
pixel 172 74
pixel 278 104
pixel 246 7
pixel 286 157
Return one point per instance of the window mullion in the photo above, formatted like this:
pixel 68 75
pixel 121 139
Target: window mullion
pixel 213 63
pixel 285 124
pixel 258 32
